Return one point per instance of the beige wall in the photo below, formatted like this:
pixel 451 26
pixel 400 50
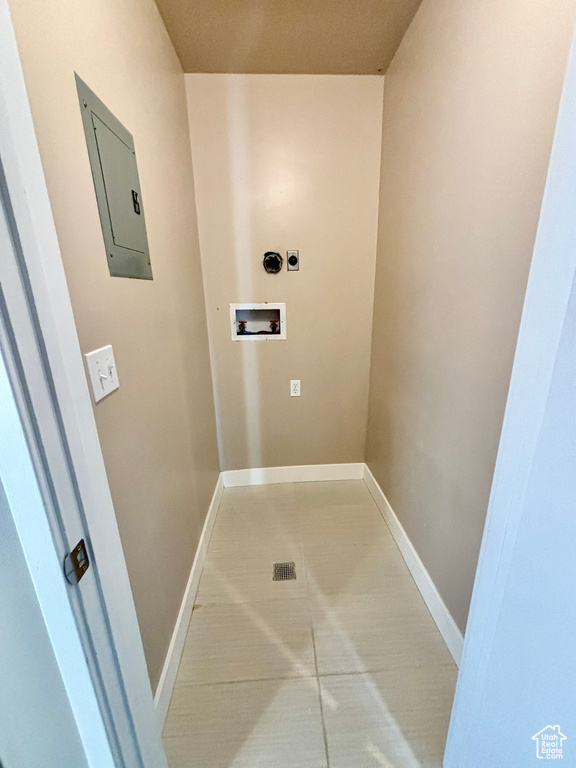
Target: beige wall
pixel 158 430
pixel 469 110
pixel 289 162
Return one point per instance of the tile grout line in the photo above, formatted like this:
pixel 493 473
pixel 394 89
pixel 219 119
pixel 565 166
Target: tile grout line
pixel 308 595
pixel 325 736
pixel 320 703
pixel 275 679
pixel 322 720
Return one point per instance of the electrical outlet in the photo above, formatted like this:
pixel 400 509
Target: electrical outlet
pixel 293 259
pixel 295 388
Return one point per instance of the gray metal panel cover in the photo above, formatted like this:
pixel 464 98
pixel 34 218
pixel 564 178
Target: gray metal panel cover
pixel 118 194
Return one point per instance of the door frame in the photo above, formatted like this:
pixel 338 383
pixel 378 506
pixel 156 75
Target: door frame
pixel 42 355
pixel 23 503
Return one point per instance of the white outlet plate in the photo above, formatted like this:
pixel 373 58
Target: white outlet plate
pixel 295 387
pixel 102 372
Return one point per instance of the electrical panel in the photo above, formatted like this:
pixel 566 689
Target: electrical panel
pixel 117 186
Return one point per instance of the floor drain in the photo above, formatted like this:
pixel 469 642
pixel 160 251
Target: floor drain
pixel 284 571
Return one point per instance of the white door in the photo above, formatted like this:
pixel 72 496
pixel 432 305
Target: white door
pixel 47 689
pixel 49 713
pixel 37 726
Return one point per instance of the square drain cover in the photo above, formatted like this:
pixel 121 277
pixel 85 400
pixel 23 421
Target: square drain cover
pixel 284 571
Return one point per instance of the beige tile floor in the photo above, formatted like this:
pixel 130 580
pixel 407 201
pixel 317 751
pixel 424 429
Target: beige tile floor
pixel 341 668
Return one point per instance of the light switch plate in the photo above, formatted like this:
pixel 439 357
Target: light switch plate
pixel 102 372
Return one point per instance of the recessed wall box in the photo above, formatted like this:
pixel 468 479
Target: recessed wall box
pixel 258 322
pixel 115 176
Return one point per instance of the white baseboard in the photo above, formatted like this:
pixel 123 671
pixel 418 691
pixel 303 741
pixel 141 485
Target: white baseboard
pixel 308 473
pixel 172 661
pixel 440 613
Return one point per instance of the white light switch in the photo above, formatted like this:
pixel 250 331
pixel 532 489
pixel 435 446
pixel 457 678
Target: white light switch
pixel 102 372
pixel 295 388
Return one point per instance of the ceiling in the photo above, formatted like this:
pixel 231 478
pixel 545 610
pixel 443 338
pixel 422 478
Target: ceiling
pixel 334 37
